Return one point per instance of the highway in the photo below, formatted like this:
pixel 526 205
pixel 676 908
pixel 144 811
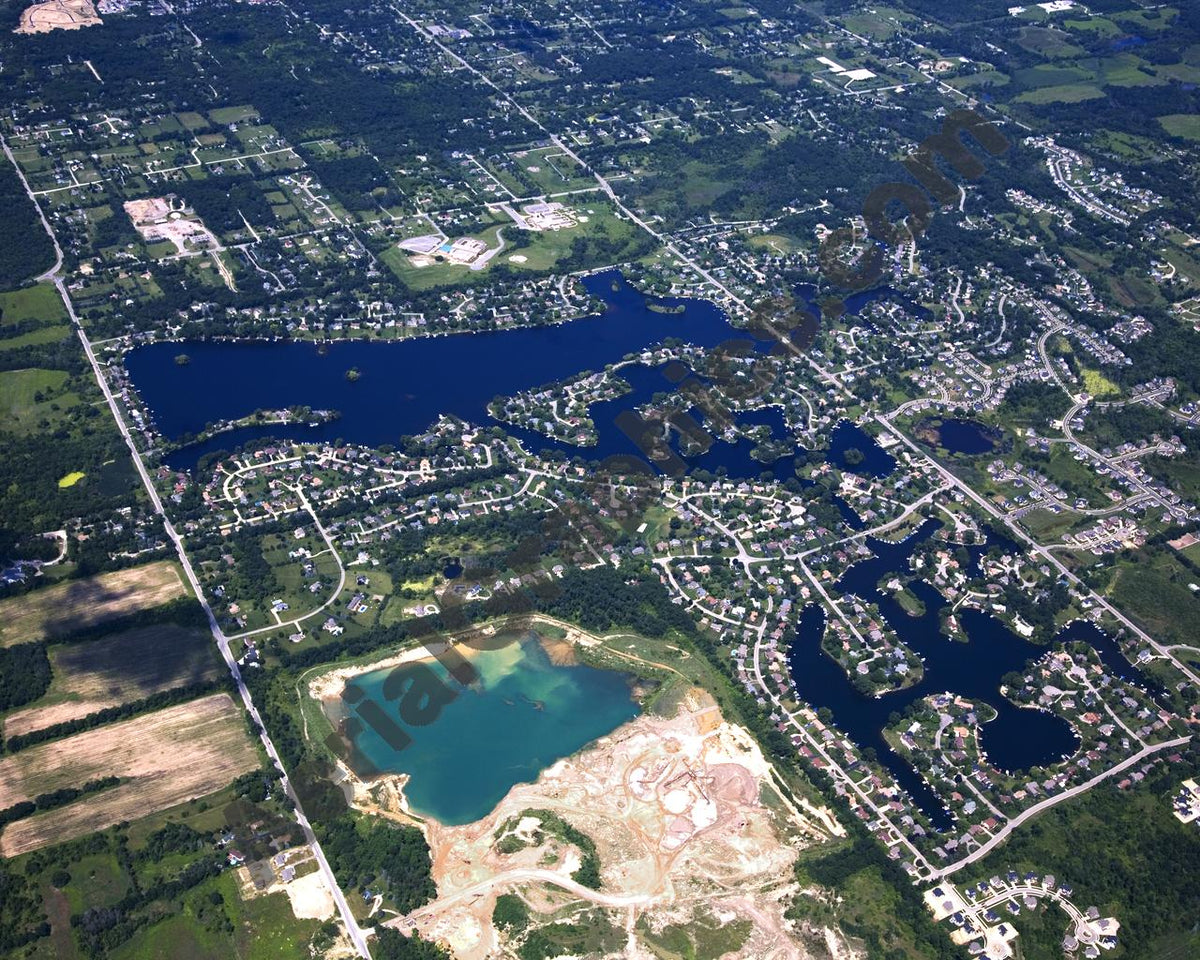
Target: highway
pixel 54 275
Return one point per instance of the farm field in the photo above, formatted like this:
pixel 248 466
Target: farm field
pixel 120 668
pixel 163 758
pixel 66 607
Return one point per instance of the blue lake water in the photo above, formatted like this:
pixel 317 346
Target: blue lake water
pixel 876 462
pixel 524 713
pixel 965 436
pixel 1015 740
pixel 404 386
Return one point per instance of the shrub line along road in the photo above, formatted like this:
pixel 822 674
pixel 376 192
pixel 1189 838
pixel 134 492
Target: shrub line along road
pixel 53 274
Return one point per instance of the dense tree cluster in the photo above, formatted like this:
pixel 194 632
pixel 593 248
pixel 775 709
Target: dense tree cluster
pixel 222 201
pixel 24 674
pixel 21 916
pixel 311 90
pixel 360 183
pixel 25 249
pixel 392 945
pixel 368 853
pixel 253 577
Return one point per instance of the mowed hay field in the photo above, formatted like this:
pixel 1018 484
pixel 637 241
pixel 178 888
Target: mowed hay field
pixel 58 610
pixel 116 669
pixel 168 756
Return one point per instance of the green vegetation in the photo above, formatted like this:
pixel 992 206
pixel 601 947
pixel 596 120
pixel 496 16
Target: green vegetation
pixel 154 888
pixel 40 303
pixel 390 945
pixel 707 938
pixel 588 872
pixel 25 249
pixel 1124 852
pixel 24 674
pixel 1186 125
pixel 1152 586
pixel 33 400
pixel 511 913
pixel 585 936
pixel 1098 385
pixel 870 900
pixel 368 853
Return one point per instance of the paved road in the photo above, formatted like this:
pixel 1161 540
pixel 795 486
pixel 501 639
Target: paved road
pixel 1035 547
pixel 1001 835
pixel 558 142
pixel 53 275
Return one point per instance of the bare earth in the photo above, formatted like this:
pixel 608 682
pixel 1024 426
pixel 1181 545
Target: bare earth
pixel 156 220
pixel 674 807
pixel 310 897
pixel 169 756
pixel 65 607
pixel 328 686
pixel 58 15
pixel 121 668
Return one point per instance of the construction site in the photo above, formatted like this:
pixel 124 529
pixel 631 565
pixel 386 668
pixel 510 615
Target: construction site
pixel 168 219
pixel 58 15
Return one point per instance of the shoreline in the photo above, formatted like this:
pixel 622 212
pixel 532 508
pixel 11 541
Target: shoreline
pixel 331 684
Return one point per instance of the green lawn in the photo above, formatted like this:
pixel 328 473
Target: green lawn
pixel 33 338
pixel 232 114
pixel 96 881
pixel 1156 593
pixel 1097 25
pixel 39 302
pixel 1046 526
pixel 1065 93
pixel 1186 125
pixel 20 409
pixel 180 937
pixel 1048 42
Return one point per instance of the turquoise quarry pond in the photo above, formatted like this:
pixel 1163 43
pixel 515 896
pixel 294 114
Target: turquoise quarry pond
pixel 524 713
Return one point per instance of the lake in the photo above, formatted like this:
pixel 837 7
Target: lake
pixel 524 713
pixel 404 386
pixel 1016 739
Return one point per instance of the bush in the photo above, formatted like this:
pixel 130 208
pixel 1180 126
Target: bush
pixel 511 913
